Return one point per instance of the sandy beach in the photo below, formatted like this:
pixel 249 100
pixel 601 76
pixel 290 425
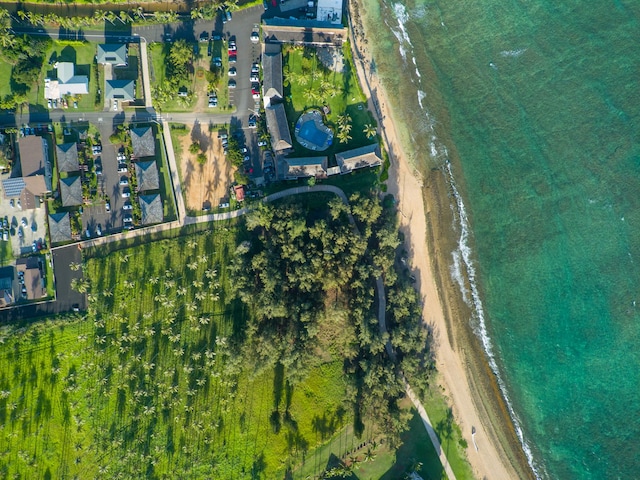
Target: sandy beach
pixel 464 374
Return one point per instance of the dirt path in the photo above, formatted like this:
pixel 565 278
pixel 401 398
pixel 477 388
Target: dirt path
pixel 204 183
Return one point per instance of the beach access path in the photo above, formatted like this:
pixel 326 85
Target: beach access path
pixel 489 459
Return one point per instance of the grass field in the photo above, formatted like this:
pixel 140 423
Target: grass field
pixel 148 384
pixel 305 74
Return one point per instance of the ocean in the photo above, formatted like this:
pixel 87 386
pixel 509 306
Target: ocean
pixel 532 111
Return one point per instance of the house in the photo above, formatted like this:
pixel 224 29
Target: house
pixel 67 83
pixel 147 175
pixel 71 191
pixel 29 190
pixel 34 286
pixel 115 54
pixel 272 89
pixel 278 127
pixel 34 156
pixel 305 167
pixel 67 155
pixel 7 275
pixel 124 90
pixel 151 208
pixel 362 157
pixel 60 227
pixel 239 192
pixel 143 142
pixel 304 32
pixel 330 11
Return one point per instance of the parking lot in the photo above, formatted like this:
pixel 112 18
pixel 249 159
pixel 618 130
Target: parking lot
pixel 108 184
pixel 28 226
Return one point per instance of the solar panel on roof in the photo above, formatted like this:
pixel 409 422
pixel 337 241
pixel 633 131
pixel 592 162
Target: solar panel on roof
pixel 13 187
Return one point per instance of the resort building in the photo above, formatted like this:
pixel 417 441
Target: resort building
pixel 123 90
pixel 67 83
pixel 272 88
pixel 60 227
pixel 362 157
pixel 151 208
pixel 147 175
pixel 115 54
pixel 143 142
pixel 33 286
pixel 306 32
pixel 330 11
pixel 71 191
pixel 278 128
pixel 305 167
pixel 67 156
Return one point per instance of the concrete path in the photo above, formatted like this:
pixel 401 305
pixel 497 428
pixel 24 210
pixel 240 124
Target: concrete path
pixel 175 176
pixel 146 79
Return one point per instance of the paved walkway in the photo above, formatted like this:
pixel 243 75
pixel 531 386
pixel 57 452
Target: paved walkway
pixel 173 170
pixel 146 79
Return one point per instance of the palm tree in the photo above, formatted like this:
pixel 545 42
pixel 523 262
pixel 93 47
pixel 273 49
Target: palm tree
pixel 370 131
pixel 344 119
pixel 343 136
pixel 75 266
pixel 196 14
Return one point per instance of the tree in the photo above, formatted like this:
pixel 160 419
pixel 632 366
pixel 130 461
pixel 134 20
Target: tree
pixel 194 148
pixel 369 130
pixel 202 158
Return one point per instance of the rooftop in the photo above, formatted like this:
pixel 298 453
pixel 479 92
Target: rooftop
pixel 59 227
pixel 278 127
pixel 272 73
pixel 112 53
pixel 120 90
pixel 306 167
pixel 239 191
pixel 143 142
pixel 368 156
pixel 71 191
pixel 33 281
pixel 67 83
pixel 151 207
pixel 33 156
pixel 67 155
pixel 147 175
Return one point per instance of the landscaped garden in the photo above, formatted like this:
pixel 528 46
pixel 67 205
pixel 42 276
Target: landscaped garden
pixel 311 84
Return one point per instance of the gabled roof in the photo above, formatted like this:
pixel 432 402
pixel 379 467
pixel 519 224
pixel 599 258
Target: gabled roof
pixel 120 89
pixel 112 53
pixel 143 143
pixel 147 175
pixel 71 191
pixel 26 188
pixel 67 155
pixel 239 191
pixel 32 276
pixel 32 155
pixel 59 227
pixel 151 208
pixel 306 167
pixel 68 82
pixel 272 73
pixel 278 127
pixel 368 156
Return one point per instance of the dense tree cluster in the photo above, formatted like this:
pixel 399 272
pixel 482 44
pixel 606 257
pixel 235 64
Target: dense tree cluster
pixel 291 271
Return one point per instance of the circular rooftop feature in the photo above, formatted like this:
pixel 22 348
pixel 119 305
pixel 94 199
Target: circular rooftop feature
pixel 312 133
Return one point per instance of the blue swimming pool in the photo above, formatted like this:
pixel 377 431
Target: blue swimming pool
pixel 310 133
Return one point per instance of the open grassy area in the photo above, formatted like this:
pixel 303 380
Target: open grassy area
pixel 158 53
pixel 5 81
pixel 310 84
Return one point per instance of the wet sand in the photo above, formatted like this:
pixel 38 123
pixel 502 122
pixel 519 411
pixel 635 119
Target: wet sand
pixel 426 219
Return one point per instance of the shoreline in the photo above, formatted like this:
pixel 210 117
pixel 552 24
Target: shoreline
pixel 463 371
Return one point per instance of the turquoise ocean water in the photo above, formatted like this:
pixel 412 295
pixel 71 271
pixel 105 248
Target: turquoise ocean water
pixel 536 105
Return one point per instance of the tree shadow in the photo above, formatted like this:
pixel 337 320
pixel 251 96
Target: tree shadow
pixel 278 385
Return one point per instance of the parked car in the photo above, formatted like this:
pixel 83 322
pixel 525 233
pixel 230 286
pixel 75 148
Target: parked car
pixel 122 168
pixel 254 77
pixel 121 157
pixel 23 222
pixel 255 94
pixel 124 181
pixel 107 206
pixel 255 37
pixel 232 84
pixel 98 167
pixel 216 36
pixel 224 16
pixel 99 230
pixel 213 102
pixel 49 104
pixel 255 68
pixel 115 105
pixel 217 61
pixel 96 150
pixel 253 121
pixel 233 58
pixel 262 143
pixel 232 49
pixel 88 233
pixel 127 206
pixel 126 193
pixel 204 37
pixel 232 72
pixel 228 16
pixel 244 150
pixel 34 247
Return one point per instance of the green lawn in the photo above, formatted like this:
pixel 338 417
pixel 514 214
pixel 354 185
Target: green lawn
pixel 311 85
pixel 5 81
pixel 168 203
pixel 158 53
pixel 144 386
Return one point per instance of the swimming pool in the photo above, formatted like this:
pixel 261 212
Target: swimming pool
pixel 310 133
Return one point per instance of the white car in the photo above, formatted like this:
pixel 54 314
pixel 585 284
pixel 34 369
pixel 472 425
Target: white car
pixel 255 68
pixel 122 168
pixel 121 157
pixel 255 38
pixel 127 206
pixel 232 72
pixel 254 77
pixel 99 230
pixel 126 194
pixel 262 143
pixel 115 105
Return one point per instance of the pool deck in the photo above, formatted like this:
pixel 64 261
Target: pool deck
pixel 316 117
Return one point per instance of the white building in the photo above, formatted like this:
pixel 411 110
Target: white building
pixel 330 11
pixel 67 83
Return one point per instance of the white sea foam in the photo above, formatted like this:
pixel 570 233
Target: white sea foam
pixel 513 53
pixel 421 96
pixel 463 258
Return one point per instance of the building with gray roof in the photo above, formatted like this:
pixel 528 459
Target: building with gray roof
pixel 147 175
pixel 362 157
pixel 60 227
pixel 278 127
pixel 151 208
pixel 71 191
pixel 124 90
pixel 305 167
pixel 272 88
pixel 143 142
pixel 67 155
pixel 113 54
